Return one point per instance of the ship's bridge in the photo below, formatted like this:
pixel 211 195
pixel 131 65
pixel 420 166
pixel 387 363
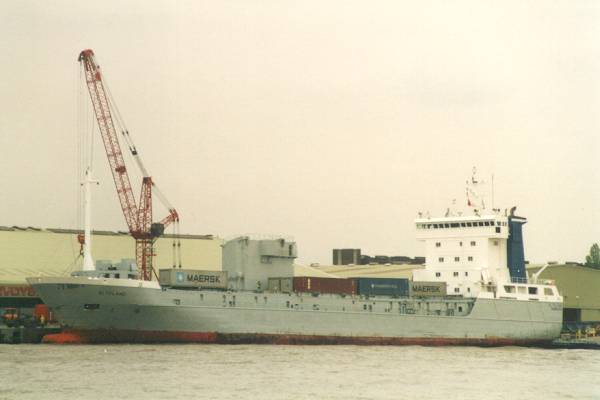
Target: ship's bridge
pixel 464 251
pixel 463 226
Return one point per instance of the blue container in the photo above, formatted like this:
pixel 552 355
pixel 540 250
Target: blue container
pixel 382 287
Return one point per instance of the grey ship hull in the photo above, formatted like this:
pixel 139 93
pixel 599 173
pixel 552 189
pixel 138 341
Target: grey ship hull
pixel 118 310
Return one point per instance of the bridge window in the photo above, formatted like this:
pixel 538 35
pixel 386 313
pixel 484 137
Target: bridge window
pixel 509 289
pixel 473 243
pixel 532 290
pixel 438 244
pixel 457 259
pixel 470 258
pixel 456 290
pixel 455 273
pixel 441 259
pixel 438 274
pixel 548 291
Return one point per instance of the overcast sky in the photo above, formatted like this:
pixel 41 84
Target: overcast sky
pixel 334 122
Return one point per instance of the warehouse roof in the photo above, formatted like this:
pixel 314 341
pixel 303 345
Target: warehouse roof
pixel 26 252
pixel 95 232
pixel 370 271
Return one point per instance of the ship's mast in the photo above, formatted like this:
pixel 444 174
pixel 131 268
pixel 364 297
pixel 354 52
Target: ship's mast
pixel 88 260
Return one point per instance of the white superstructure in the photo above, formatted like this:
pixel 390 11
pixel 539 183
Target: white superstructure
pixel 464 251
pixel 470 254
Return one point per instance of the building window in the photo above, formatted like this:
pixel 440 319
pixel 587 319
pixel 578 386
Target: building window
pixel 470 258
pixel 455 274
pixel 473 243
pixel 438 274
pixel 438 244
pixel 441 259
pixel 457 259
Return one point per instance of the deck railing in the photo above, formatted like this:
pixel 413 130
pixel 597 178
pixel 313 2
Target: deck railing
pixel 531 281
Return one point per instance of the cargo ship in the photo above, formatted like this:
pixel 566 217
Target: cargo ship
pixel 473 290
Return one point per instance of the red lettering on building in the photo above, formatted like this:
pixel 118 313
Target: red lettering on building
pixel 17 291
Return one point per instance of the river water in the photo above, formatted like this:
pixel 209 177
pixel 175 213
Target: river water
pixel 132 372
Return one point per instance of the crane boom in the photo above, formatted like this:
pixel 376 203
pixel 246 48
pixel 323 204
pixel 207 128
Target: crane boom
pixel 93 79
pixel 138 216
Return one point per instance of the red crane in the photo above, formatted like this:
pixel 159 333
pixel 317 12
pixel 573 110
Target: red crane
pixel 138 216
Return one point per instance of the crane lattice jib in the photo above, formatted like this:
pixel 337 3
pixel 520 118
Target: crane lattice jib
pixel 138 216
pixel 108 132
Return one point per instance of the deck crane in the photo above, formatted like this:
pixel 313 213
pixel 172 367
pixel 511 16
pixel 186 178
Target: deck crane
pixel 138 216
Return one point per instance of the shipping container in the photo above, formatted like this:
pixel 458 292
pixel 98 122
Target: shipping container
pixel 382 287
pixel 273 285
pixel 427 289
pixel 191 278
pixel 280 285
pixel 324 285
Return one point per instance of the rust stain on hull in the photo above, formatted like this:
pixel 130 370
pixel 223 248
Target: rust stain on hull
pixel 131 336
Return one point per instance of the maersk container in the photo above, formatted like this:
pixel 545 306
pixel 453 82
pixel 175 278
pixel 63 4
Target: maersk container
pixel 427 289
pixel 192 278
pixel 324 285
pixel 382 287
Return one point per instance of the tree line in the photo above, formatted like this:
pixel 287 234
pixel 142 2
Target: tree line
pixel 592 260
